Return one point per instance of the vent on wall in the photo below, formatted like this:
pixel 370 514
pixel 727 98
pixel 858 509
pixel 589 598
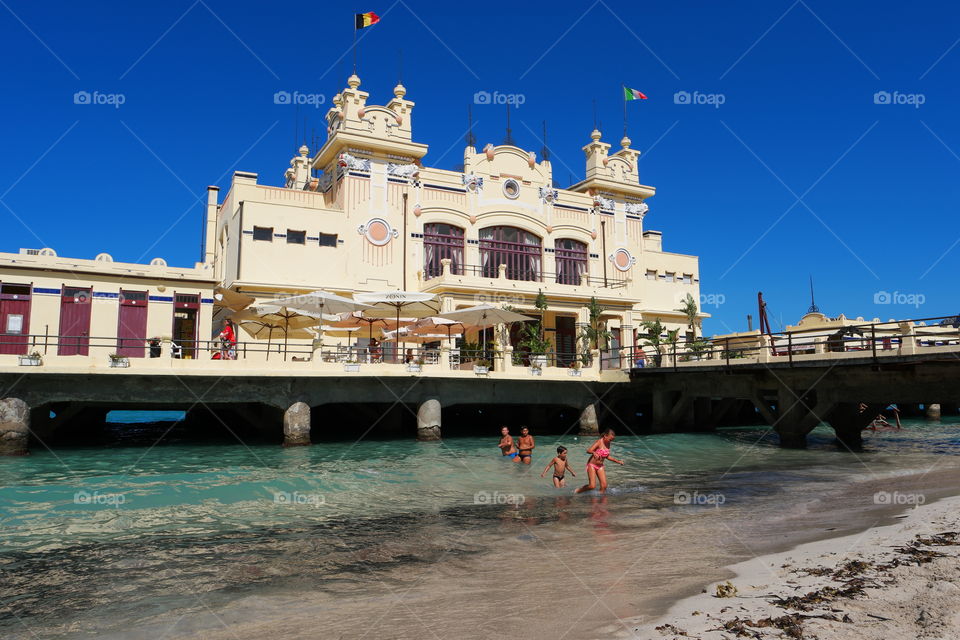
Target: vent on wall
pixel 158 262
pixel 104 257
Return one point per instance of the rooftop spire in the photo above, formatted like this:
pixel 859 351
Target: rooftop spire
pixel 545 152
pixel 508 139
pixel 813 303
pixel 471 139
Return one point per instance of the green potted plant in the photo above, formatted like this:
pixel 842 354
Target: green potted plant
pixel 481 366
pixel 31 360
pixel 416 366
pixel 118 361
pixel 536 344
pixel 351 365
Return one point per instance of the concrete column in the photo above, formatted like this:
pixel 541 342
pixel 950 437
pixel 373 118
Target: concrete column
pixel 428 420
pixel 589 425
pixel 932 412
pixel 296 425
pixel 14 427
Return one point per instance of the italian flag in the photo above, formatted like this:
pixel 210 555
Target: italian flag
pixel 633 94
pixel 366 19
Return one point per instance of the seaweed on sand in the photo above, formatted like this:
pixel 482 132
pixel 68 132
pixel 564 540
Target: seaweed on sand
pixel 850 589
pixel 790 624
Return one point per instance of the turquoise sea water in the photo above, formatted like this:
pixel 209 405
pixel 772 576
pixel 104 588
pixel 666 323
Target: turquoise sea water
pixel 97 540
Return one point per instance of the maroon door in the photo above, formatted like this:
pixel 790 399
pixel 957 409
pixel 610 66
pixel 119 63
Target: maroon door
pixel 566 340
pixel 186 308
pixel 132 324
pixel 14 318
pixel 75 306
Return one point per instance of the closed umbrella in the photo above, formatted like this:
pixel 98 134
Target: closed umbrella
pixel 392 303
pixel 230 299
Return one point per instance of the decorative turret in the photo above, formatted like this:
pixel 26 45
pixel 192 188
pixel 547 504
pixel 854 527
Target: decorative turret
pixel 298 175
pixel 354 126
pixel 612 174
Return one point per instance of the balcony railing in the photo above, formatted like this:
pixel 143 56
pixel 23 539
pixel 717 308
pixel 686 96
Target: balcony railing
pixel 529 275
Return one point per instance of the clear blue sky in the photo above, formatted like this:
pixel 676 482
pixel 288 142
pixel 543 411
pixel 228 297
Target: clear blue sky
pixel 877 183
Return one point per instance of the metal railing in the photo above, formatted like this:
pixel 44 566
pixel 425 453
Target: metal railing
pixel 530 275
pixel 870 339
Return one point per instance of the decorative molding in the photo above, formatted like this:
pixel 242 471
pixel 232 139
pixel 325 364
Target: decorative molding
pixel 622 259
pixel 548 195
pixel 404 170
pixel 473 182
pixel 602 203
pixel 378 231
pixel 351 162
pixel 637 208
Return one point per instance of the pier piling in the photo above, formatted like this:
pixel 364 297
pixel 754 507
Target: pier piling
pixel 296 425
pixel 589 425
pixel 932 412
pixel 428 420
pixel 14 427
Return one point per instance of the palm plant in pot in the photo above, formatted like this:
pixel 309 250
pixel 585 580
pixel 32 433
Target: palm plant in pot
pixel 533 338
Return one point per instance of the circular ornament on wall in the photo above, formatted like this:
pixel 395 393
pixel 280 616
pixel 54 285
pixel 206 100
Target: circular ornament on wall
pixel 622 259
pixel 378 231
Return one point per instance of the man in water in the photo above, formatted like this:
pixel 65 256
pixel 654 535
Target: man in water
pixel 526 445
pixel 506 445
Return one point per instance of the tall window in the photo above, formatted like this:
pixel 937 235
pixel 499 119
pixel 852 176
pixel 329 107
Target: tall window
pixel 441 241
pixel 518 249
pixel 571 261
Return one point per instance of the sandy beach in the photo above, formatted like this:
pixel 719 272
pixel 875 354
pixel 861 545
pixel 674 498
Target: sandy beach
pixel 895 581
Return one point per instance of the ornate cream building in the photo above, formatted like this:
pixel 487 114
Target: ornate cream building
pixel 364 214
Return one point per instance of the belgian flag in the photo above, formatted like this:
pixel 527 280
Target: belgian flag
pixel 367 20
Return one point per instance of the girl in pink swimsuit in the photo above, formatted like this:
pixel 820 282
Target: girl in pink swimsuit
pixel 599 452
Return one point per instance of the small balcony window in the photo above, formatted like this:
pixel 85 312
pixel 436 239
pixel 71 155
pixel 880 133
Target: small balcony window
pixel 263 233
pixel 296 237
pixel 328 240
pixel 651 274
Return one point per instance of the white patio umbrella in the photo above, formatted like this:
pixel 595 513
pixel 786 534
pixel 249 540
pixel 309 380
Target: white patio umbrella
pixel 391 303
pixel 318 304
pixel 270 323
pixel 483 316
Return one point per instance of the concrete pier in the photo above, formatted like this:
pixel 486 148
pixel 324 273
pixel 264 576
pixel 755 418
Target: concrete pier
pixel 428 420
pixel 932 412
pixel 14 427
pixel 296 425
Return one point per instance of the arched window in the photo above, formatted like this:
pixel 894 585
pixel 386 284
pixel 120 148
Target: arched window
pixel 518 249
pixel 571 260
pixel 441 240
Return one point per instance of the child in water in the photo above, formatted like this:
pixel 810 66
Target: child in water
pixel 559 465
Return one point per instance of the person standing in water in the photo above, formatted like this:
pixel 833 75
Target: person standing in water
pixel 506 445
pixel 560 467
pixel 526 446
pixel 599 453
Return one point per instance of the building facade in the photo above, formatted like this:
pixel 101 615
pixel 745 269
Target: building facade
pixel 362 214
pixel 365 214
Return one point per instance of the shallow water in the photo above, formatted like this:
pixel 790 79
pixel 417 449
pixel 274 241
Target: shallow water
pixel 404 539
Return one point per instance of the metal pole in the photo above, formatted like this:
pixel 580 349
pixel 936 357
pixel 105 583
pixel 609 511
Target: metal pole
pixel 603 240
pixel 873 340
pixel 726 349
pixel 790 347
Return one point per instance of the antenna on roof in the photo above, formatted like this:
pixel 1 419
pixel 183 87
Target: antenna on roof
pixel 508 139
pixel 813 303
pixel 471 139
pixel 545 152
pixel 399 66
pixel 596 123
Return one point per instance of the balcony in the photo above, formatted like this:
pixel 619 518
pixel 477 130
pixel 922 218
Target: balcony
pixel 520 280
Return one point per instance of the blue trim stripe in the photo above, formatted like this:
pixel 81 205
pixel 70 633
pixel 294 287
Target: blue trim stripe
pixel 206 300
pixel 443 188
pixel 161 298
pixel 105 294
pixel 55 292
pixel 359 175
pixel 247 233
pixel 567 206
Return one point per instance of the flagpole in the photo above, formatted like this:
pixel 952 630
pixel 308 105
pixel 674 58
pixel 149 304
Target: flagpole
pixel 354 44
pixel 623 88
